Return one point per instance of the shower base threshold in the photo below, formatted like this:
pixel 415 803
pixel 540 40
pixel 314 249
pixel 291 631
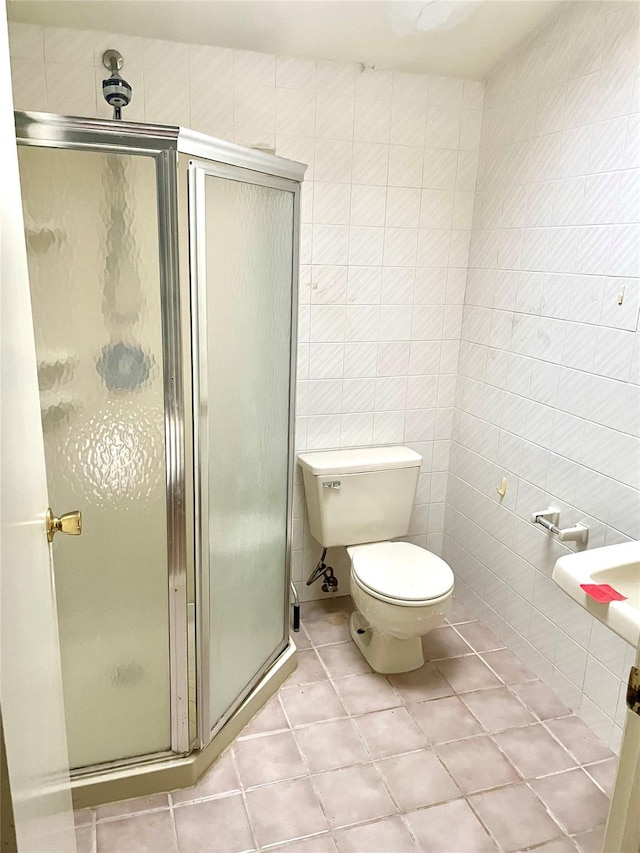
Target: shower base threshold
pixel 167 774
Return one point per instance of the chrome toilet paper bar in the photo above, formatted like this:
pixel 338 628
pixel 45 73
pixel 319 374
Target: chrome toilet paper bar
pixel 549 519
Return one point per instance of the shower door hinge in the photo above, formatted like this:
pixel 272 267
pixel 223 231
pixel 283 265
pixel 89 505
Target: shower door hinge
pixel 633 690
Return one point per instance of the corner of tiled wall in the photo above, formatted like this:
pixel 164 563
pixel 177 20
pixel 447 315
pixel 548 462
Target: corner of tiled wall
pixel 548 392
pixel 386 223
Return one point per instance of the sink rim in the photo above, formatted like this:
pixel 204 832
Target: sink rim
pixel 574 569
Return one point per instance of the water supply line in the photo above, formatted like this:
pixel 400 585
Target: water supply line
pixel 323 571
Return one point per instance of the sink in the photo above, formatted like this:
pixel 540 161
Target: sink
pixel 616 565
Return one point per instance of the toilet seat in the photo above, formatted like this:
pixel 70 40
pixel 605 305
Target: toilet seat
pixel 400 573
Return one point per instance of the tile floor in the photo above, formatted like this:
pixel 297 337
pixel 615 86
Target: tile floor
pixel 470 753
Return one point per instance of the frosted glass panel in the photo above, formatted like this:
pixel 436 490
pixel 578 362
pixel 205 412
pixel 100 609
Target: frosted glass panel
pixel 249 264
pixel 92 238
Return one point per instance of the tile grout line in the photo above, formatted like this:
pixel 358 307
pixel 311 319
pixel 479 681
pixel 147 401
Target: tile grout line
pixel 446 769
pixel 173 825
pixel 244 797
pixel 363 743
pixel 304 761
pixel 523 779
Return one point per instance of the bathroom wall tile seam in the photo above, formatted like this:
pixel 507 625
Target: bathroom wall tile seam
pixel 607 532
pixel 548 370
pixel 588 465
pixel 548 408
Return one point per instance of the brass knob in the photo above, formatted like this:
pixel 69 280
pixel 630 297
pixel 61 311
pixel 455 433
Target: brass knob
pixel 69 523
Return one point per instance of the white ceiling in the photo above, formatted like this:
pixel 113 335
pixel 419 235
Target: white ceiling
pixel 461 38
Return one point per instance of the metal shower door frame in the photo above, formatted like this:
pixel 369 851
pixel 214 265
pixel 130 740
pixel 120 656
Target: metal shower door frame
pixel 160 143
pixel 249 167
pixel 165 144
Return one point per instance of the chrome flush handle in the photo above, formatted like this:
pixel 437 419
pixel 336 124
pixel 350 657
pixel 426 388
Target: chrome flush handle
pixel 332 484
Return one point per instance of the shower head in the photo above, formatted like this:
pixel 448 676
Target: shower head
pixel 116 91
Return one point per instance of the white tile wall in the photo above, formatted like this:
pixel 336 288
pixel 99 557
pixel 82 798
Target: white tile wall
pixel 386 220
pixel 548 392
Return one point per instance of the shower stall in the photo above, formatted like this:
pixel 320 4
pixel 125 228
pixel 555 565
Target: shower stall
pixel 163 269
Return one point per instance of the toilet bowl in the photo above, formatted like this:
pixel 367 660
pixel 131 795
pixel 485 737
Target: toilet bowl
pixel 363 498
pixel 401 592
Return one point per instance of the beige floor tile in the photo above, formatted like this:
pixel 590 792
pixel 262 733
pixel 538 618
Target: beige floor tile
pixel 444 642
pixel 578 738
pixel 384 836
pixel 309 669
pixel 533 751
pixel 476 764
pixel 573 800
pixel 311 703
pixel 144 832
pixel 449 827
pixel 590 842
pixel 445 719
pixel 327 746
pixel 269 758
pixel 390 732
pixel 467 674
pixel 540 700
pixel 271 718
pixel 324 608
pixel 85 838
pixel 353 795
pixel 508 667
pixel 214 826
pixel 559 845
pixel 369 692
pixel 332 627
pixel 317 844
pixel 417 779
pixel 342 659
pixel 137 804
pixel 515 817
pixel 301 639
pixel 284 811
pixel 497 709
pixel 421 684
pixel 219 779
pixel 604 773
pixel 480 638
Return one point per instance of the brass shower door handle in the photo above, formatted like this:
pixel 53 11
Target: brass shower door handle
pixel 69 523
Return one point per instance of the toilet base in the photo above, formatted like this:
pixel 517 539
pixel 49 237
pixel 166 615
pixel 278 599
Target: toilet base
pixel 384 653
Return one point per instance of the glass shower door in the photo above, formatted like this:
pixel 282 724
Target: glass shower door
pixel 92 236
pixel 243 226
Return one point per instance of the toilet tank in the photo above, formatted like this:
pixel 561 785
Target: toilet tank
pixel 360 495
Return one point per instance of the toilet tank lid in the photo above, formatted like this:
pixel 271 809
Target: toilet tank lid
pixel 359 460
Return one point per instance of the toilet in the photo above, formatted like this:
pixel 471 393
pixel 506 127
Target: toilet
pixel 362 498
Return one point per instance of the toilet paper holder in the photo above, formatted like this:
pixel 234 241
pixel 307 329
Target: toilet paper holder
pixel 550 518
